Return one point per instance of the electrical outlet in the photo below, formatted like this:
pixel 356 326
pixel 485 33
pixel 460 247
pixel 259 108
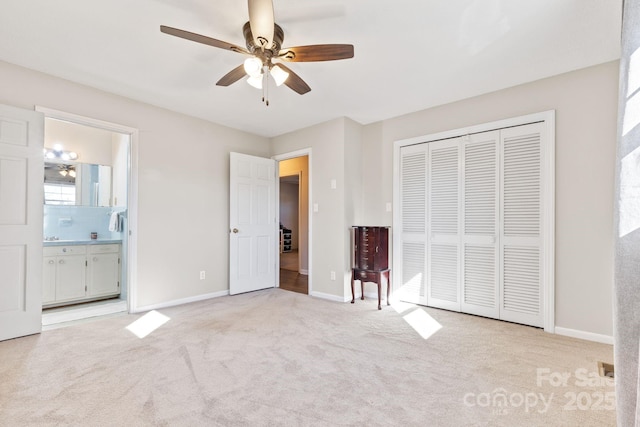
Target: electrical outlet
pixel 333 275
pixel 202 275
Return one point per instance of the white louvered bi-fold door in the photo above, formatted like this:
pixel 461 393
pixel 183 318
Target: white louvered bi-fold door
pixel 521 290
pixel 412 251
pixel 480 201
pixel 443 243
pixel 472 224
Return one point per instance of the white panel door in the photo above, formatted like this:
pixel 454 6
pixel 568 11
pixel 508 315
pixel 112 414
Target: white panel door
pixel 521 289
pixel 443 248
pixel 413 227
pixel 480 183
pixel 252 224
pixel 21 197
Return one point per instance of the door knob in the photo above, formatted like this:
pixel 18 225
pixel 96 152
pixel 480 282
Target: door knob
pixel 235 230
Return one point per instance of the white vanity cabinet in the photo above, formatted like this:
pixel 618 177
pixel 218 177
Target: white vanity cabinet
pixel 66 267
pixel 103 271
pixel 77 273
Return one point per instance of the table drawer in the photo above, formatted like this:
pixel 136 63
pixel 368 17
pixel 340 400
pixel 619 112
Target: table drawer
pixel 366 276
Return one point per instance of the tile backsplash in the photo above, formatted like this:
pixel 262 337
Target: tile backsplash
pixel 78 222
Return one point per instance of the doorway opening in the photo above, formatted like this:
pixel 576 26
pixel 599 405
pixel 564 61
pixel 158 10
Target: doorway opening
pixel 87 249
pixel 294 218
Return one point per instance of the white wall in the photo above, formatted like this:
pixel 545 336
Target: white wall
pixel 586 115
pixel 353 196
pixel 120 156
pixel 328 226
pixel 92 145
pixel 183 185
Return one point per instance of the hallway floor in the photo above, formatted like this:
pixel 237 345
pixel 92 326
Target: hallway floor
pixel 290 278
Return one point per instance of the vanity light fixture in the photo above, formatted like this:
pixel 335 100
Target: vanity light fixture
pixel 58 153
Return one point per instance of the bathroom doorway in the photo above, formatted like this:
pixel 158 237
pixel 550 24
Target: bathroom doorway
pixel 87 249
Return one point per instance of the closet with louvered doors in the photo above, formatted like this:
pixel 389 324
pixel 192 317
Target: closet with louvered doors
pixel 470 224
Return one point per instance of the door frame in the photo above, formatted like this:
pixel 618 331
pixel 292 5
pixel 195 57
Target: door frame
pixel 286 156
pixel 548 198
pixel 132 190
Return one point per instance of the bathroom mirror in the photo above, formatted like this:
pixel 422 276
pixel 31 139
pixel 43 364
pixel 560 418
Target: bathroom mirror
pixel 77 184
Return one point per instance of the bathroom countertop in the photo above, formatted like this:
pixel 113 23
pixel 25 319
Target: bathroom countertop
pixel 80 242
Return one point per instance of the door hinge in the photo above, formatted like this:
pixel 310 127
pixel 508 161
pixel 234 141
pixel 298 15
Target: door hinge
pixel 118 285
pixel 118 260
pixel 86 263
pixel 85 288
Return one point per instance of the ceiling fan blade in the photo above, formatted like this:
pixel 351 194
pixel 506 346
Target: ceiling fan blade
pixel 318 52
pixel 294 81
pixel 232 76
pixel 262 22
pixel 202 39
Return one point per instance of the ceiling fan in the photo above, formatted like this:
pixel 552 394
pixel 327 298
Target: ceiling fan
pixel 263 39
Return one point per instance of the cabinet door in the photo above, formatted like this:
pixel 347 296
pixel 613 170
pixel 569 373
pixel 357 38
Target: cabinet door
pixel 48 279
pixel 70 277
pixel 103 274
pixel 381 248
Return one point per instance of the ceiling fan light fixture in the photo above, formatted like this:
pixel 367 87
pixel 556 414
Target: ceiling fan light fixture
pixel 255 81
pixel 279 75
pixel 253 66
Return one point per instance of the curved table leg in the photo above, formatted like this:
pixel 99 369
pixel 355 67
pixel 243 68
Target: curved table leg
pixel 353 295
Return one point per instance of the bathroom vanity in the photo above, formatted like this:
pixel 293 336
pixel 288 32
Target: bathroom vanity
pixel 80 271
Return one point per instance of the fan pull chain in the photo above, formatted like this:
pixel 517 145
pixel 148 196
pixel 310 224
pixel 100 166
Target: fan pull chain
pixel 266 84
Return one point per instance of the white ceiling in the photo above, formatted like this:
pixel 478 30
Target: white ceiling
pixel 409 54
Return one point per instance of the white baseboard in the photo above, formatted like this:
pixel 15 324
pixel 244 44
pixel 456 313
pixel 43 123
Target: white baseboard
pixel 589 336
pixel 180 301
pixel 304 272
pixel 83 312
pixel 330 297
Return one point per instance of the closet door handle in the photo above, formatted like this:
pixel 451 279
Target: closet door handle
pixel 51 261
pixel 235 231
pixel 95 259
pixel 61 261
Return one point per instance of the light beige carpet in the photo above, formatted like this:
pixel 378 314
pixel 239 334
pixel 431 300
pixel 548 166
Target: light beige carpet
pixel 281 358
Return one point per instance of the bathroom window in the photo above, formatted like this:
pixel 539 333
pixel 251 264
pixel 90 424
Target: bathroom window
pixel 56 194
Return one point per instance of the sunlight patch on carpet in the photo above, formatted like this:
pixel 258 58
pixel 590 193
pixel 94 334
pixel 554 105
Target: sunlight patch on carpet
pixel 147 324
pixel 423 324
pixel 401 306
